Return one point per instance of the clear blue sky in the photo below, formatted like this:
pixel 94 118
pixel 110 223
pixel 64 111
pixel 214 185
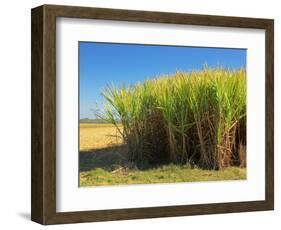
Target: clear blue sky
pixel 103 63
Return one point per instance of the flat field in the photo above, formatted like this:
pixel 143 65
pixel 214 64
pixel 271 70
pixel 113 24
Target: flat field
pixel 97 136
pixel 103 161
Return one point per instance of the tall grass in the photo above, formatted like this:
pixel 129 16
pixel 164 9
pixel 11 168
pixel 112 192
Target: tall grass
pixel 196 117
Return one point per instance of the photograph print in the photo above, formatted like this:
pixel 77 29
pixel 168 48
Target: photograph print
pixel 161 114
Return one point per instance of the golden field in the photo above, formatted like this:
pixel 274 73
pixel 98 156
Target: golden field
pixel 98 136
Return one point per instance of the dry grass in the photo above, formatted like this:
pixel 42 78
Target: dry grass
pixel 98 136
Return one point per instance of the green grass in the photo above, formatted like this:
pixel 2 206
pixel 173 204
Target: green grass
pixel 164 174
pixel 194 117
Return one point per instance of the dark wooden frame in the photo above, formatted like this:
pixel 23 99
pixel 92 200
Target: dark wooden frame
pixel 43 188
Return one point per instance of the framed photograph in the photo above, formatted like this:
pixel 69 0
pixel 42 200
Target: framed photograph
pixel 140 114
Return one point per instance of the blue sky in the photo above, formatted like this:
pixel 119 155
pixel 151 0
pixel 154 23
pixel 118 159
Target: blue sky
pixel 103 63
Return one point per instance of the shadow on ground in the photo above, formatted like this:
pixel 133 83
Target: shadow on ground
pixel 106 158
